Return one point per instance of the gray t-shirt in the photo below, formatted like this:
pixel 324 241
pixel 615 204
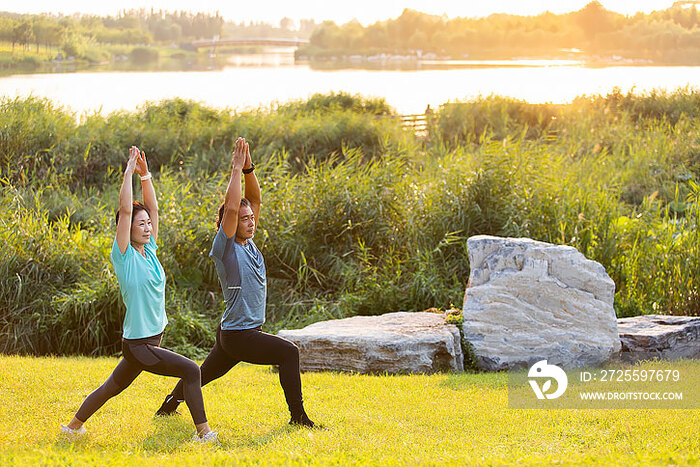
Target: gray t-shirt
pixel 241 270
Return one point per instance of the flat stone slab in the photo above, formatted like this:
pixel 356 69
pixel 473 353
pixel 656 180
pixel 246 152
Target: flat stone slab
pixel 658 337
pixel 527 301
pixel 391 343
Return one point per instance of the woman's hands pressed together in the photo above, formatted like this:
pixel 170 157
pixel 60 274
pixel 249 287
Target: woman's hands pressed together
pixel 131 164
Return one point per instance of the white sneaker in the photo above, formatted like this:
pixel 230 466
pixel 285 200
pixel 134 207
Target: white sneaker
pixel 210 438
pixel 70 431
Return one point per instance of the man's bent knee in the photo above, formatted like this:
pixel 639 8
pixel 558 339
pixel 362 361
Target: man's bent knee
pixel 192 372
pixel 291 352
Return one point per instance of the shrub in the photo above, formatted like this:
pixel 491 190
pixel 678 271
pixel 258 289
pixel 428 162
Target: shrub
pixel 30 130
pixel 493 117
pixel 143 55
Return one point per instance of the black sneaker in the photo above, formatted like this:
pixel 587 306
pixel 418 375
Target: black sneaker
pixel 169 406
pixel 303 420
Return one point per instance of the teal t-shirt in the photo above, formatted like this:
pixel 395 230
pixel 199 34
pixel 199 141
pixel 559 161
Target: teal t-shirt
pixel 142 284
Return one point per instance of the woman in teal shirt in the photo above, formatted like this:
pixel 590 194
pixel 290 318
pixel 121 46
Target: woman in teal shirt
pixel 142 283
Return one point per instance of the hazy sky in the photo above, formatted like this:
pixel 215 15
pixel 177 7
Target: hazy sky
pixel 366 11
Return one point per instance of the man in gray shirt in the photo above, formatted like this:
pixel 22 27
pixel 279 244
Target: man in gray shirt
pixel 241 270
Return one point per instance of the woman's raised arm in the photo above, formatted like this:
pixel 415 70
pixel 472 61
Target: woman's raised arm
pixel 149 193
pixel 126 198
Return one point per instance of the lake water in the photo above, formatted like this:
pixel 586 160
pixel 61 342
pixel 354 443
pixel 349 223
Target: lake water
pixel 249 81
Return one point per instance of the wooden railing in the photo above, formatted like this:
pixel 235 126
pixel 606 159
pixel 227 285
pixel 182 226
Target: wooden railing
pixel 415 122
pixel 418 123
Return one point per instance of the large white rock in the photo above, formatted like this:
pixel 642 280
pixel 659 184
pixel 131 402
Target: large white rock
pixel 528 300
pixel 394 343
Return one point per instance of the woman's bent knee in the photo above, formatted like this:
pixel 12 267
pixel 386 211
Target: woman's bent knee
pixel 112 387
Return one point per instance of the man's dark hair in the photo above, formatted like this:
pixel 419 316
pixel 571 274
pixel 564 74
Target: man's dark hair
pixel 219 218
pixel 136 207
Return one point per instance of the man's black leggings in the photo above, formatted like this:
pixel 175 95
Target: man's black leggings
pixel 253 346
pixel 145 354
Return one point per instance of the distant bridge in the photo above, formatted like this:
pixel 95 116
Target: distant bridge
pixel 269 41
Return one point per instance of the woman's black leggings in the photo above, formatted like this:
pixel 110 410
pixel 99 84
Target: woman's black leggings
pixel 145 354
pixel 253 346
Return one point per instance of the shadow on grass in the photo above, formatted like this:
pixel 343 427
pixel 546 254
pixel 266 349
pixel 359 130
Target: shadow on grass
pixel 71 442
pixel 259 440
pixel 270 436
pixel 170 433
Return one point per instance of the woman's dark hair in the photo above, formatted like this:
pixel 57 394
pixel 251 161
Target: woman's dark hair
pixel 137 206
pixel 219 218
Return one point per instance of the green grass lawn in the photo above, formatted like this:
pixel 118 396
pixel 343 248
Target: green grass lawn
pixel 446 418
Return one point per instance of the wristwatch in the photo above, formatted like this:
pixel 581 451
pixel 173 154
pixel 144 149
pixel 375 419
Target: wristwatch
pixel 247 171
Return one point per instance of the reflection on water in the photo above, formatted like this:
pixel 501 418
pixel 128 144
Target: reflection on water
pixel 182 63
pixel 501 63
pixel 177 62
pixel 253 80
pixel 412 63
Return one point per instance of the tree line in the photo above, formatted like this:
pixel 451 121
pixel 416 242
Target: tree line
pixel 78 33
pixel 668 35
pixel 129 27
pixel 593 29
